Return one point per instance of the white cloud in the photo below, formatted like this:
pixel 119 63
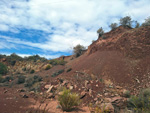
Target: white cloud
pixel 70 21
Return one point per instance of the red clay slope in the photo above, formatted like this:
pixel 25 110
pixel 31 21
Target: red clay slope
pixel 124 57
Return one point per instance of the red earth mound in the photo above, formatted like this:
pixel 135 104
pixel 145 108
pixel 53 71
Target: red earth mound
pixel 123 57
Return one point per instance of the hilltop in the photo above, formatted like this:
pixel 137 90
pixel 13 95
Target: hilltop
pixel 116 62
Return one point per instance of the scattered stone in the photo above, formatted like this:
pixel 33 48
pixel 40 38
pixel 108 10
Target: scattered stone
pixel 47 86
pixel 90 92
pixel 31 92
pixel 118 87
pixel 83 94
pixel 107 107
pixel 107 100
pixel 21 90
pixel 86 83
pixel 50 88
pixel 51 95
pixel 119 102
pixel 71 87
pixel 25 96
pixel 96 85
pixel 106 94
pixel 5 91
pixel 95 99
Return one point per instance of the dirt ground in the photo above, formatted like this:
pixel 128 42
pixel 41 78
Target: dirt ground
pixel 11 101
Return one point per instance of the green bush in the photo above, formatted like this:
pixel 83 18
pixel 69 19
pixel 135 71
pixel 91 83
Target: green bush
pixel 31 80
pixel 7 79
pixel 147 22
pixel 127 94
pixel 57 62
pixel 113 26
pixel 24 69
pixel 13 62
pixel 68 70
pixel 140 103
pixel 37 78
pixel 1 78
pixel 68 100
pixel 32 71
pixel 47 67
pixel 57 73
pixel 21 79
pixel 126 21
pixel 3 69
pixel 78 50
pixel 100 32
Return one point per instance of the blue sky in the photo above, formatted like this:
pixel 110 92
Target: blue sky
pixel 51 28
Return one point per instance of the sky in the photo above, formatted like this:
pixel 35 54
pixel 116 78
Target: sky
pixel 51 28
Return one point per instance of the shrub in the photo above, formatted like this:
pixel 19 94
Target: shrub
pixel 1 78
pixel 68 70
pixel 37 78
pixel 147 22
pixel 3 69
pixel 140 103
pixel 68 100
pixel 57 62
pixel 78 50
pixel 127 94
pixel 32 71
pixel 126 21
pixel 100 32
pixel 24 69
pixel 57 73
pixel 35 58
pixel 21 79
pixel 113 26
pixel 47 67
pixel 137 24
pixel 7 79
pixel 31 80
pixel 104 37
pixel 13 62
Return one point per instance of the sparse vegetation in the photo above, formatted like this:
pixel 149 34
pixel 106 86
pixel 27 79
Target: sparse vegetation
pixel 47 67
pixel 127 94
pixel 31 80
pixel 1 78
pixel 32 71
pixel 78 50
pixel 57 73
pixel 140 103
pixel 35 58
pixel 68 70
pixel 57 62
pixel 113 26
pixel 3 68
pixel 21 79
pixel 126 21
pixel 100 32
pixel 7 79
pixel 68 100
pixel 147 22
pixel 137 24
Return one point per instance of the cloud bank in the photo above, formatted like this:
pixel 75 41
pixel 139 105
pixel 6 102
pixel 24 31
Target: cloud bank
pixel 65 23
